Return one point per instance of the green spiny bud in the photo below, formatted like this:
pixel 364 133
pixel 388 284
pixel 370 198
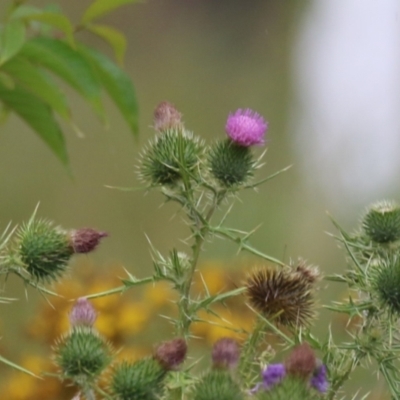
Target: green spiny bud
pixel 82 354
pixel 43 249
pixel 231 164
pixel 172 154
pixel 386 282
pixel 293 388
pixel 382 222
pixel 217 384
pixel 142 380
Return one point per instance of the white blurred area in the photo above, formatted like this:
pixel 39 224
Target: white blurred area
pixel 345 123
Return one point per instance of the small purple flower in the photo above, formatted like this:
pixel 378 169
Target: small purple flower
pixel 319 380
pixel 246 128
pixel 273 374
pixel 82 313
pixel 86 240
pixel 225 353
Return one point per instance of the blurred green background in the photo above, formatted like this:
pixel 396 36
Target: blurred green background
pixel 208 58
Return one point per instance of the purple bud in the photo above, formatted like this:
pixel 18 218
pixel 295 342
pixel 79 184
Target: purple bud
pixel 166 117
pixel 319 380
pixel 171 354
pixel 82 313
pixel 246 128
pixel 225 353
pixel 86 240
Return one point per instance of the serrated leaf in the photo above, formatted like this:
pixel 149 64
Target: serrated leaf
pixel 117 84
pixel 101 7
pixel 12 39
pixel 113 37
pixel 39 83
pixel 38 116
pixel 68 64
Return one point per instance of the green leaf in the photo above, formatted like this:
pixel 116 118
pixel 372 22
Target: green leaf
pixel 38 83
pixel 69 65
pixel 113 37
pixel 100 7
pixel 38 116
pixel 12 39
pixel 58 21
pixel 118 85
pixel 7 80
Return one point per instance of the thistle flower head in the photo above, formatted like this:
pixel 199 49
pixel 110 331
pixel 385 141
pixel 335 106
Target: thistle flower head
pixel 43 249
pixel 230 163
pixel 167 117
pixel 283 295
pixel 82 313
pixel 381 223
pixel 82 354
pixel 319 380
pixel 140 380
pixel 171 354
pixel 272 375
pixel 301 361
pixel 246 128
pixel 86 240
pixel 225 353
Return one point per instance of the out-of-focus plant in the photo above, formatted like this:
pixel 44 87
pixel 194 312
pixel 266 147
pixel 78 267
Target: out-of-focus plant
pixel 40 44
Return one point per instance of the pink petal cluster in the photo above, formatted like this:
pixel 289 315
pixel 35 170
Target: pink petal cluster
pixel 82 313
pixel 246 128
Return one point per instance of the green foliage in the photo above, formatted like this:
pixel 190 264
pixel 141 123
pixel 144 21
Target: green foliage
pixel 37 44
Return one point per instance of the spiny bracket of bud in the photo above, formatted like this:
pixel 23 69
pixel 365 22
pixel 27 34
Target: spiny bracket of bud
pixel 283 295
pixel 167 117
pixel 85 240
pixel 225 353
pixel 82 354
pixel 169 157
pixel 82 313
pixel 43 249
pixel 231 164
pixel 381 222
pixel 140 380
pixel 171 354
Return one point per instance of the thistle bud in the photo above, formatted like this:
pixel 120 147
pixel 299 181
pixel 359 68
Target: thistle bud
pixel 86 240
pixel 82 354
pixel 225 353
pixel 82 313
pixel 167 117
pixel 43 249
pixel 169 156
pixel 140 380
pixel 301 361
pixel 171 354
pixel 230 164
pixel 381 223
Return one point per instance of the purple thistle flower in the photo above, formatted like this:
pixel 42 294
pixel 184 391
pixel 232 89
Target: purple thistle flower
pixel 273 374
pixel 319 380
pixel 225 353
pixel 82 313
pixel 85 240
pixel 246 128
